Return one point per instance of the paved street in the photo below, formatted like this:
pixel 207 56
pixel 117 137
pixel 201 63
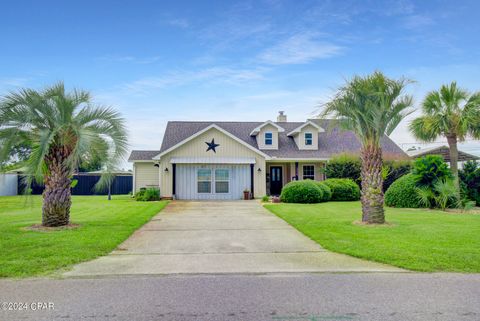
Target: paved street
pixel 343 296
pixel 220 237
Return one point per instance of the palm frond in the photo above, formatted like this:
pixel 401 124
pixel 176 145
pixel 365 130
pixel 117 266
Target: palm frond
pixel 371 106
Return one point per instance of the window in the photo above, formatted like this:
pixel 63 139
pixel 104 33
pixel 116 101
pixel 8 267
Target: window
pixel 308 139
pixel 309 172
pixel 204 180
pixel 221 181
pixel 268 138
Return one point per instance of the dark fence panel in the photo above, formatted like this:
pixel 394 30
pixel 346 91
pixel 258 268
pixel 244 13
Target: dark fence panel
pixel 122 184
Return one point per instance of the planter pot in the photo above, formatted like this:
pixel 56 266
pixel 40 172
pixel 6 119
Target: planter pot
pixel 246 195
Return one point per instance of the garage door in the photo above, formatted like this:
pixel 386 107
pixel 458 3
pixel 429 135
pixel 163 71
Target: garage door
pixel 211 181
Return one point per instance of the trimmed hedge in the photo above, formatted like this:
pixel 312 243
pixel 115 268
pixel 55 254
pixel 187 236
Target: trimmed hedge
pixel 403 193
pixel 395 169
pixel 343 189
pixel 344 166
pixel 326 191
pixel 306 191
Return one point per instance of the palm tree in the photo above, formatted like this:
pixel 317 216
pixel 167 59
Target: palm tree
pixel 450 112
pixel 370 106
pixel 61 127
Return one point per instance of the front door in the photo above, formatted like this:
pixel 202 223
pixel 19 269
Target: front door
pixel 276 180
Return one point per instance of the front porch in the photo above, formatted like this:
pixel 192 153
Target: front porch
pixel 278 174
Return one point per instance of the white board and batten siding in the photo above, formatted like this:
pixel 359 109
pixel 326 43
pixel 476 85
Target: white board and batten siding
pixel 187 186
pixel 8 184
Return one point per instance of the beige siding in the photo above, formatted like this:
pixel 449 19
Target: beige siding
pixel 300 138
pixel 261 137
pixel 318 166
pixel 145 175
pixel 197 148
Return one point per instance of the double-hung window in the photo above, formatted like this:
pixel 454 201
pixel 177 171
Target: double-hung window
pixel 268 138
pixel 204 180
pixel 309 172
pixel 222 177
pixel 308 139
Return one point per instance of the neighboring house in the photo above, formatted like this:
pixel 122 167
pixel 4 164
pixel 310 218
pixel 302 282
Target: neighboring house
pixel 443 151
pixel 219 160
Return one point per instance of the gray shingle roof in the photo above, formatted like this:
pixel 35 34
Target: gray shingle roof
pixel 332 141
pixel 137 155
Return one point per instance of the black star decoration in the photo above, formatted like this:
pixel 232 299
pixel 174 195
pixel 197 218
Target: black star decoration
pixel 212 145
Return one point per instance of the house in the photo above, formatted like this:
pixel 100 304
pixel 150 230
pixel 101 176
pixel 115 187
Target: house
pixel 219 160
pixel 443 151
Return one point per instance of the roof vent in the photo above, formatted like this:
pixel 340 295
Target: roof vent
pixel 281 118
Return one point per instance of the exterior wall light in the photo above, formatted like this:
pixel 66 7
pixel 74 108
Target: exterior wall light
pixel 166 170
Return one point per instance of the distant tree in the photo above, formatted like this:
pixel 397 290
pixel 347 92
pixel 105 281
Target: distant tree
pixel 16 156
pixel 61 127
pixel 450 112
pixel 370 106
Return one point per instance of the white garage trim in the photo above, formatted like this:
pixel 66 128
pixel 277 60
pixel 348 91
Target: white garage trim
pixel 212 160
pixel 238 180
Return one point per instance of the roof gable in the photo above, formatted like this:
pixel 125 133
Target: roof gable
pixel 198 133
pixel 257 129
pixel 299 128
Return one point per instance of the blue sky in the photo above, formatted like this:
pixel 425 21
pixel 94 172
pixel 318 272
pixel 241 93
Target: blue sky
pixel 218 60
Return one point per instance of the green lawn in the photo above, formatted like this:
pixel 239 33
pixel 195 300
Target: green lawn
pixel 103 225
pixel 421 240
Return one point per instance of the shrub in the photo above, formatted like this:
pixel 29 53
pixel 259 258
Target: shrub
pixel 350 166
pixel 430 169
pixel 326 191
pixel 403 193
pixel 140 193
pixel 343 189
pixel 442 195
pixel 148 194
pixel 265 198
pixel 344 166
pixel 470 180
pixel 395 170
pixel 306 191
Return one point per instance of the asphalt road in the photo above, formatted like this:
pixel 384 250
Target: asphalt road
pixel 353 296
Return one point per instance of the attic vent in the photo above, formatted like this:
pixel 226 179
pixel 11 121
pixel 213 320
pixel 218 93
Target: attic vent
pixel 281 118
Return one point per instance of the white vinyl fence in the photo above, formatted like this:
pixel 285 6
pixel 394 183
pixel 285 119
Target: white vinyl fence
pixel 8 184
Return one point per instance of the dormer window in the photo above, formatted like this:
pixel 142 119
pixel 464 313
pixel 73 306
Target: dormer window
pixel 268 138
pixel 308 139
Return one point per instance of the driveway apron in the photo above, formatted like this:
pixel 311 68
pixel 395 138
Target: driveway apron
pixel 196 237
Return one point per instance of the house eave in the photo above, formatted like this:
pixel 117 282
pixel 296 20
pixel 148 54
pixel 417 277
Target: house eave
pixel 256 130
pixel 299 129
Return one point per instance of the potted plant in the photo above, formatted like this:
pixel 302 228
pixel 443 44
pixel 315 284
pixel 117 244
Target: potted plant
pixel 246 194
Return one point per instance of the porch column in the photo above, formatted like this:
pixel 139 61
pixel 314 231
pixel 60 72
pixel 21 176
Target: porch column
pixel 252 167
pixel 296 171
pixel 174 174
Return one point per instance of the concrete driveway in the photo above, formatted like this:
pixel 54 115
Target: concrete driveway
pixel 220 237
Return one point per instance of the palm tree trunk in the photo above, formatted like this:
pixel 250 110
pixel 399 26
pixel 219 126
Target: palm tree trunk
pixel 372 182
pixel 56 195
pixel 452 144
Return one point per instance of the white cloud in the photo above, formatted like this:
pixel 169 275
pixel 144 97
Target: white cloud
pixel 299 49
pixel 179 22
pixel 129 59
pixel 14 82
pixel 179 78
pixel 417 21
